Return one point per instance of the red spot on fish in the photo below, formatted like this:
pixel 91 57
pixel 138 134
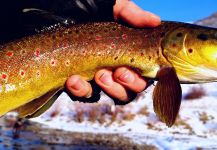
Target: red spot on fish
pixel 142 54
pixel 124 36
pixel 112 45
pixel 4 76
pixel 65 44
pixel 98 37
pixel 22 73
pixel 9 54
pixel 37 53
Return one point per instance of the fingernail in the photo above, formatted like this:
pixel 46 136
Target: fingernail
pixel 106 79
pixel 88 95
pixel 126 77
pixel 77 85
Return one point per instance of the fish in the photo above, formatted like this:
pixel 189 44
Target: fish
pixel 34 69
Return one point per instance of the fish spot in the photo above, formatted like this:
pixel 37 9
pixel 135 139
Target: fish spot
pixel 116 58
pixel 132 60
pixel 174 45
pixel 179 34
pixel 124 36
pixel 114 29
pixel 70 32
pixel 98 53
pixel 142 54
pixel 98 37
pixel 4 76
pixel 67 62
pixel 23 52
pixel 37 52
pixel 38 73
pixel 22 73
pixel 9 54
pixel 77 31
pixel 202 37
pixel 65 44
pixel 105 30
pixel 112 45
pixel 190 50
pixel 53 62
pixel 149 58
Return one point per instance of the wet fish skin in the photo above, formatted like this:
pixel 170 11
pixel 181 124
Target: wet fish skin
pixel 32 66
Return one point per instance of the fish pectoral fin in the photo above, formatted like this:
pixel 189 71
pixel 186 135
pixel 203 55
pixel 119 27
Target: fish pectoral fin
pixel 167 95
pixel 39 105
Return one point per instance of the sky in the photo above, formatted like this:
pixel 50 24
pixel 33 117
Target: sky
pixel 180 10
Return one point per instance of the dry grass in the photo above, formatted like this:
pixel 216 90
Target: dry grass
pixel 128 116
pixel 180 122
pixel 80 116
pixel 195 93
pixel 54 113
pixel 101 113
pixel 144 111
pixel 205 118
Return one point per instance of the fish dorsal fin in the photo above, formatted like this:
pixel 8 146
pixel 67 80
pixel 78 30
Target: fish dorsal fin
pixel 39 105
pixel 167 95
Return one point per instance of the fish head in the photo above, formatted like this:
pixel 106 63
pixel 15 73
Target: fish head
pixel 192 51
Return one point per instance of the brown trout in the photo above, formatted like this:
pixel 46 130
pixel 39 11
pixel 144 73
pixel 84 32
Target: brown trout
pixel 33 69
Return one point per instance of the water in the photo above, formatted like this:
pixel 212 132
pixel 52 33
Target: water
pixel 27 140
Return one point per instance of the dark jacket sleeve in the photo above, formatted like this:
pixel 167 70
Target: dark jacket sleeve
pixel 81 10
pixel 15 22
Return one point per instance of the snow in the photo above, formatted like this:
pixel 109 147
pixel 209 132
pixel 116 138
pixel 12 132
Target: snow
pixel 196 126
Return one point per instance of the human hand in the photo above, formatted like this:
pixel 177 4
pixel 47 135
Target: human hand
pixel 123 82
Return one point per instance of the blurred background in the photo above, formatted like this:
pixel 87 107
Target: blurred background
pixel 74 125
pixel 185 10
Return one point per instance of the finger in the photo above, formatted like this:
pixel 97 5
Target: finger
pixel 129 79
pixel 78 87
pixel 134 15
pixel 105 80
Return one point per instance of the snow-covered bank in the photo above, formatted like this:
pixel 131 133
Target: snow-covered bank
pixel 195 127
